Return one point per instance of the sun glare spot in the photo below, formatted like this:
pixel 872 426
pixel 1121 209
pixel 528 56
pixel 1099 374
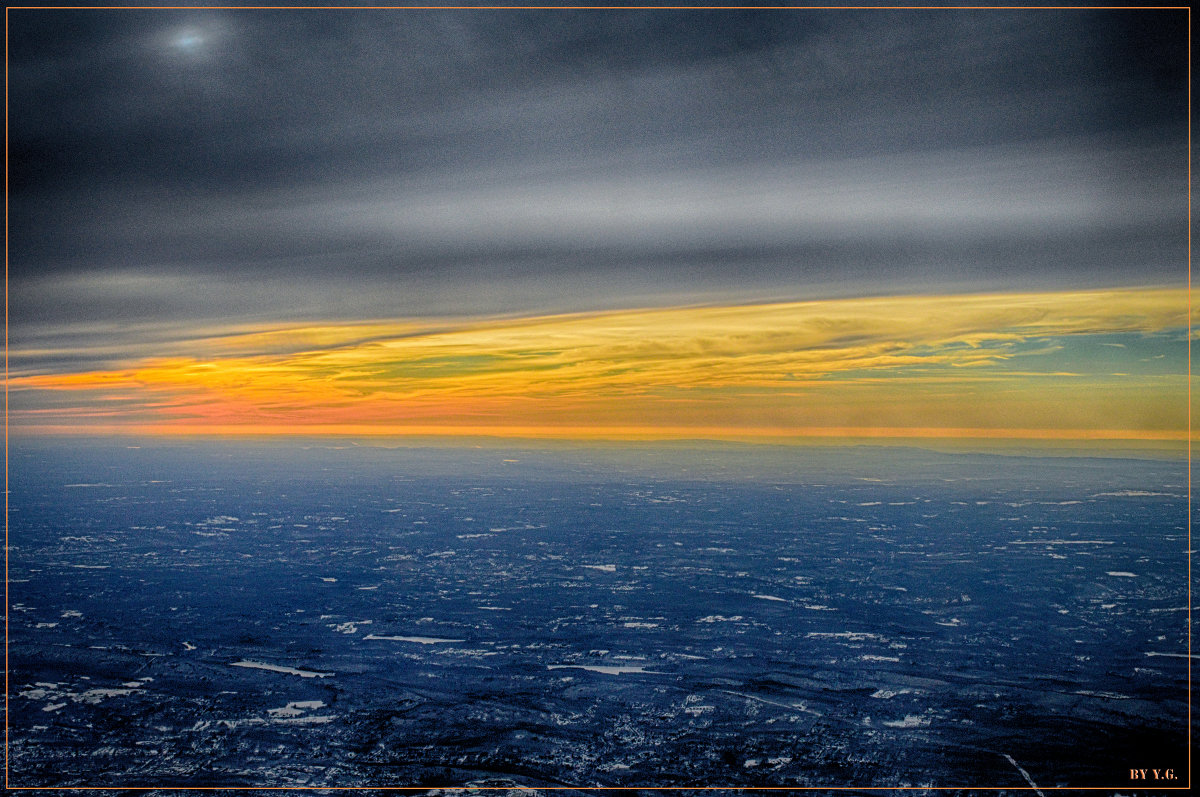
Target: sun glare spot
pixel 188 40
pixel 197 40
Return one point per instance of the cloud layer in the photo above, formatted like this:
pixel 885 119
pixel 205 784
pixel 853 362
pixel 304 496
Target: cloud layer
pixel 1045 363
pixel 225 219
pixel 217 166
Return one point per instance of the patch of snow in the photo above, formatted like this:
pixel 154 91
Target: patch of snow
pixel 258 665
pixel 421 640
pixel 604 668
pixel 295 708
pixel 909 721
pixel 94 696
pixel 853 636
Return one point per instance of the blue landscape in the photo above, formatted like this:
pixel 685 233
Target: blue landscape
pixel 325 614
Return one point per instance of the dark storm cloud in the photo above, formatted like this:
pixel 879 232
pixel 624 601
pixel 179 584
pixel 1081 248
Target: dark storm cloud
pixel 252 165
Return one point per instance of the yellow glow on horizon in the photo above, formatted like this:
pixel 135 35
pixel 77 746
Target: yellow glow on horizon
pixel 629 433
pixel 916 366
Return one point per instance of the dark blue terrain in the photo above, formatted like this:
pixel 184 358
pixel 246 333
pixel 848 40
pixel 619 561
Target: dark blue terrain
pixel 276 614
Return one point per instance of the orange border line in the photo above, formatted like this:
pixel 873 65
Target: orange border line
pixel 1190 554
pixel 599 8
pixel 7 713
pixel 600 788
pixel 1123 786
pixel 593 788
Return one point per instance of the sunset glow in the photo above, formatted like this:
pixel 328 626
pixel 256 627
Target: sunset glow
pixel 1039 365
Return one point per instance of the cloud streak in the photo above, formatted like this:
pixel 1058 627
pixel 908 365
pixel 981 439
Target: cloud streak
pixel 920 362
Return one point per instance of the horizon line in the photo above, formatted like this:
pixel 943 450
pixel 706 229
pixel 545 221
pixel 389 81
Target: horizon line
pixel 617 433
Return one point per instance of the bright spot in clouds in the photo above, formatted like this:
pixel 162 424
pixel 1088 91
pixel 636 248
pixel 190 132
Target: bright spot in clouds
pixel 193 39
pixel 188 40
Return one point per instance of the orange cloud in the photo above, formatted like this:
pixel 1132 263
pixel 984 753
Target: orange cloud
pixel 895 363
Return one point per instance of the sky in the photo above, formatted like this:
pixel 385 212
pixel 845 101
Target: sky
pixel 776 224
